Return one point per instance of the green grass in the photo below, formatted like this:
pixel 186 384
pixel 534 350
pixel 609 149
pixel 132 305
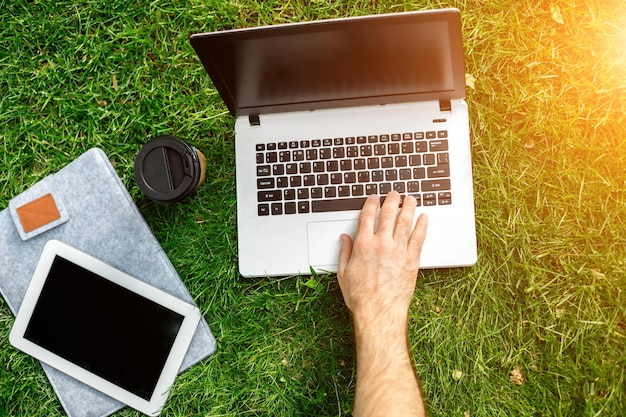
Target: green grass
pixel 548 121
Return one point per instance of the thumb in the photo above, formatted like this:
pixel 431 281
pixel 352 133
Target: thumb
pixel 345 252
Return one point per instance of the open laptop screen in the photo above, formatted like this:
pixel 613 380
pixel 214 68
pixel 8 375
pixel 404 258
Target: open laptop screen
pixel 355 61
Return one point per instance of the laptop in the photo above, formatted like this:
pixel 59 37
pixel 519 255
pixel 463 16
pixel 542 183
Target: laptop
pixel 328 112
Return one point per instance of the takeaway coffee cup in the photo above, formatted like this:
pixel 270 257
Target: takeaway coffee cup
pixel 168 169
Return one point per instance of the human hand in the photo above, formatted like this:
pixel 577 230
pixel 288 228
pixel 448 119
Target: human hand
pixel 378 269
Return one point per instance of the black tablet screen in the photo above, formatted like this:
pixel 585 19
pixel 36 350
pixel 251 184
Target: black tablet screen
pixel 102 327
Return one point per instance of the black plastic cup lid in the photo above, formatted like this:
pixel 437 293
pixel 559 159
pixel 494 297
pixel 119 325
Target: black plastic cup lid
pixel 167 169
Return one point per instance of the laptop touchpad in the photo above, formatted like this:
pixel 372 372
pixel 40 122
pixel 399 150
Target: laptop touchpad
pixel 324 243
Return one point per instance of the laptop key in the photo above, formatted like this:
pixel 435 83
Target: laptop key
pixel 357 190
pixel 271 157
pixel 317 192
pixel 332 166
pixel 284 156
pixel 282 182
pixel 366 150
pixel 406 174
pixel 295 181
pixel 264 209
pixel 298 155
pixel 305 167
pixel 277 208
pixel 439 171
pixel 438 145
pixel 391 174
pixel 421 146
pixel 303 193
pixel 303 207
pixel 322 179
pixel 386 162
pixel 265 183
pixel 443 158
pixel 278 169
pixel 419 173
pixel 269 195
pixel 445 199
pixel 290 208
pixel 401 161
pixel 318 166
pixel 263 170
pixel 289 194
pixel 336 178
pixel 291 168
pixel 399 187
pixel 436 185
pixel 359 164
pixel 341 204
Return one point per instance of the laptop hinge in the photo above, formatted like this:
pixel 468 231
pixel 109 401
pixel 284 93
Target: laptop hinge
pixel 445 105
pixel 254 120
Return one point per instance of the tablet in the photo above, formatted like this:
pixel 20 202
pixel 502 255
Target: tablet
pixel 103 327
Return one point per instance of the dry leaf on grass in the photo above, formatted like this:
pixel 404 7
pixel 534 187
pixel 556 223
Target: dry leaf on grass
pixel 597 274
pixel 516 376
pixel 470 81
pixel 556 14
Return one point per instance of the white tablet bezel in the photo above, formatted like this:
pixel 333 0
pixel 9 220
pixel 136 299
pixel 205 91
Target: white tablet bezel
pixel 191 317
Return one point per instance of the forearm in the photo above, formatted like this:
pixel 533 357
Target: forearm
pixel 386 380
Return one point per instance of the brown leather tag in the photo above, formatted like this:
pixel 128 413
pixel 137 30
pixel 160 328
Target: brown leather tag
pixel 38 213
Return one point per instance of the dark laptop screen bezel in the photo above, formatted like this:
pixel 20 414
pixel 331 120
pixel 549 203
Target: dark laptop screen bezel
pixel 209 47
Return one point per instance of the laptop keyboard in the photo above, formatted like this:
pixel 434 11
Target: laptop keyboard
pixel 322 175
